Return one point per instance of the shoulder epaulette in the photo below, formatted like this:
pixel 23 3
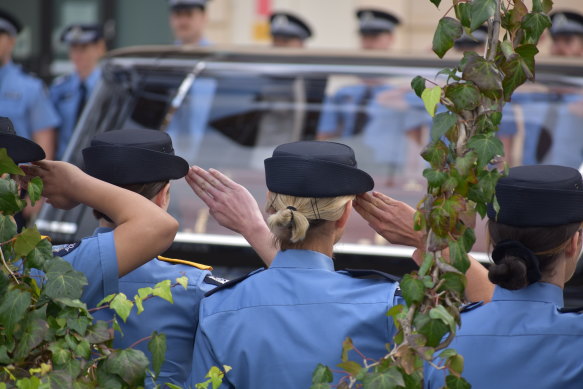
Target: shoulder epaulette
pixel 64 249
pixel 217 281
pixel 571 310
pixel 232 282
pixel 369 273
pixel 61 80
pixel 471 306
pixel 183 262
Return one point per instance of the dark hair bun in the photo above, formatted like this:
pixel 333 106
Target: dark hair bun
pixel 509 273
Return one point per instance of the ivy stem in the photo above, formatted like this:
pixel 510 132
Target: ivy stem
pixel 8 268
pixel 494 33
pixel 140 341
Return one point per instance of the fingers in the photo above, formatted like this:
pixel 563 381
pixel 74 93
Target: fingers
pixel 201 193
pixel 226 181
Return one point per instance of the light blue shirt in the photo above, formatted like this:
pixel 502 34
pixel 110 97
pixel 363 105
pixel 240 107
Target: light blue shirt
pixel 65 95
pixel 177 321
pixel 519 340
pixel 24 100
pixel 274 327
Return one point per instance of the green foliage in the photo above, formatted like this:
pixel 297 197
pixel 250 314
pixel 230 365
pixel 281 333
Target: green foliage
pixel 215 377
pixel 465 159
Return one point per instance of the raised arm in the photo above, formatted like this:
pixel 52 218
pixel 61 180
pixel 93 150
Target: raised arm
pixel 143 230
pixel 234 208
pixel 393 220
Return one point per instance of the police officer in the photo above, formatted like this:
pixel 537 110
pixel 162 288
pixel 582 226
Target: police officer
pixel 188 20
pixel 567 34
pixel 288 30
pixel 105 256
pixel 143 161
pixel 23 98
pixel 69 93
pixel 376 28
pixel 474 42
pixel 530 341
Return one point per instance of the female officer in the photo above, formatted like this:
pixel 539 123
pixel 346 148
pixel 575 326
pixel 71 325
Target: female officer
pixel 276 325
pixel 523 339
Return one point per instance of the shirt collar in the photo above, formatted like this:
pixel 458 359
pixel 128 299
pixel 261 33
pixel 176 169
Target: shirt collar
pixel 4 69
pixel 539 291
pixel 304 259
pixel 95 75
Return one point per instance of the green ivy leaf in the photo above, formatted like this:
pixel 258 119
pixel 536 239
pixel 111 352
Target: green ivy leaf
pixel 484 74
pixel 26 241
pixel 458 257
pixel 433 329
pixel 465 163
pixel 453 382
pixel 418 85
pixel 321 375
pixel 346 347
pixel 183 281
pixel 7 228
pixel 448 30
pixel 442 123
pixel 486 147
pixel 413 289
pixel 98 333
pixel 547 6
pixel 462 12
pixel 468 239
pixel 390 379
pixel 42 252
pixel 440 313
pixel 28 383
pixel 129 364
pixel 145 292
pixel 537 6
pixel 58 380
pixel 33 334
pixel 431 97
pixel 436 2
pixel 456 364
pixel 60 353
pixel 106 300
pixel 453 282
pixel 535 24
pixel 10 202
pixel 12 309
pixel 350 367
pixel 62 280
pixel 465 97
pixel 35 190
pixel 434 178
pixel 435 153
pixel 121 305
pixel 480 11
pixel 139 304
pixel 518 69
pixel 7 165
pixel 162 289
pixel 157 346
pixel 79 324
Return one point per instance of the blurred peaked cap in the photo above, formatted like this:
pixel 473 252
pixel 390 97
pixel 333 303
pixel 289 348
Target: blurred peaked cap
pixel 315 169
pixel 539 196
pixel 129 156
pixel 289 25
pixel 9 24
pixel 184 4
pixel 480 36
pixel 19 148
pixel 82 33
pixel 374 21
pixel 566 23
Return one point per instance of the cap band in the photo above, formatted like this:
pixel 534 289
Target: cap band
pixel 5 25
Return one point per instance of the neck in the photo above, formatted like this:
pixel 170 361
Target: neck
pixel 106 224
pixel 559 274
pixel 322 243
pixel 192 40
pixel 5 60
pixel 84 73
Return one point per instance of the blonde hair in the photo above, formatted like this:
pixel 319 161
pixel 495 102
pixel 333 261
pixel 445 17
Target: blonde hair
pixel 291 216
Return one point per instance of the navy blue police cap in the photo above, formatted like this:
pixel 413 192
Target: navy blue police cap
pixel 479 37
pixel 19 148
pixel 9 24
pixel 126 157
pixel 539 196
pixel 288 25
pixel 315 169
pixel 78 34
pixel 176 5
pixel 373 21
pixel 566 23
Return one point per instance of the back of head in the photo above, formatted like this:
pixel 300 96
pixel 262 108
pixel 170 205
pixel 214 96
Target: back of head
pixel 310 182
pixel 541 208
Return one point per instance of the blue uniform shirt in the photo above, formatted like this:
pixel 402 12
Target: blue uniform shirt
pixel 95 257
pixel 65 95
pixel 24 100
pixel 519 340
pixel 177 321
pixel 274 327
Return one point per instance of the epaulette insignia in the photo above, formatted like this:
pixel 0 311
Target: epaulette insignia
pixel 183 262
pixel 64 249
pixel 368 273
pixel 571 310
pixel 232 282
pixel 217 281
pixel 471 306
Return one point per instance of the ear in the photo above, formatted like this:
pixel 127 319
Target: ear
pixel 162 199
pixel 341 223
pixel 574 245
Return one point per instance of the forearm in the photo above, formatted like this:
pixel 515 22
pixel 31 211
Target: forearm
pixel 46 138
pixel 261 239
pixel 479 287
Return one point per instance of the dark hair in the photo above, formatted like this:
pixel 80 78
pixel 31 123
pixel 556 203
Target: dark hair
pixel 547 243
pixel 149 190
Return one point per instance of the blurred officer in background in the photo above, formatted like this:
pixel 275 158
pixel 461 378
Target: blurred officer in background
pixel 376 29
pixel 475 42
pixel 288 30
pixel 69 93
pixel 567 34
pixel 23 98
pixel 188 20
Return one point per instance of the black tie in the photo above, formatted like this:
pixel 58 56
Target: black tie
pixel 362 114
pixel 82 100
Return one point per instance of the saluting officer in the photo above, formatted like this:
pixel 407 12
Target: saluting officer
pixel 529 340
pixel 288 30
pixel 23 98
pixel 188 20
pixel 144 162
pixel 70 93
pixel 567 34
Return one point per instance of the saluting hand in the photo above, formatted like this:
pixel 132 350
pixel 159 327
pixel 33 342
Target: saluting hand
pixel 391 219
pixel 61 181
